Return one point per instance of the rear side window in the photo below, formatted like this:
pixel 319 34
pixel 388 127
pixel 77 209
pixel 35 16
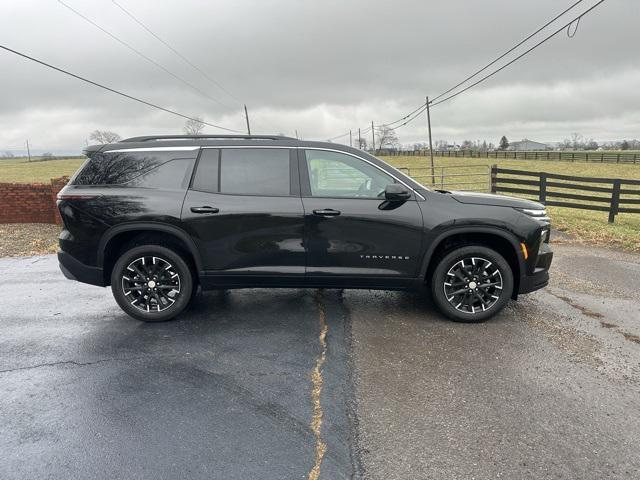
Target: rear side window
pixel 245 171
pixel 137 169
pixel 206 178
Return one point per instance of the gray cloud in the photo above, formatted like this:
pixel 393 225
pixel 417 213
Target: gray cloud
pixel 319 67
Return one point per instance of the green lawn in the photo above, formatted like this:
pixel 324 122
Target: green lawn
pixel 23 171
pixel 584 225
pixel 584 169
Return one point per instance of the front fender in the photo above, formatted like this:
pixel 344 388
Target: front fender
pixel 441 236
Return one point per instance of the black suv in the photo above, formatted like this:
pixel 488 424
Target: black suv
pixel 156 217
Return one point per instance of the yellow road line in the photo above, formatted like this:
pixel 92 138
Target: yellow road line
pixel 316 380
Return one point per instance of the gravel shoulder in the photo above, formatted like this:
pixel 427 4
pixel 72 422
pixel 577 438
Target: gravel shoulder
pixel 26 239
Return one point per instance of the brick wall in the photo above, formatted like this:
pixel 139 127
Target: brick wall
pixel 30 202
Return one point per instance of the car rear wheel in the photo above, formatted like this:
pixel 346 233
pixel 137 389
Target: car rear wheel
pixel 472 283
pixel 152 283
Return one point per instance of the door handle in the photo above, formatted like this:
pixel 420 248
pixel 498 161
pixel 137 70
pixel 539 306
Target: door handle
pixel 327 212
pixel 205 209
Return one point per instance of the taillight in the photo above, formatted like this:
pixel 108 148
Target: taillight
pixel 75 196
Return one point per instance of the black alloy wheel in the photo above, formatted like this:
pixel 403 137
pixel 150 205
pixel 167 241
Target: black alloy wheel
pixel 472 283
pixel 152 283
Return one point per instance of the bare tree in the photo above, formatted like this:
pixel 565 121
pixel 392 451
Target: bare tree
pixel 386 137
pixel 193 126
pixel 591 144
pixel 577 141
pixel 441 144
pixel 361 143
pixel 104 136
pixel 466 145
pixel 565 144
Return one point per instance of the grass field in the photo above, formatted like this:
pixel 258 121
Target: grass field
pixel 583 225
pixel 22 171
pixel 588 226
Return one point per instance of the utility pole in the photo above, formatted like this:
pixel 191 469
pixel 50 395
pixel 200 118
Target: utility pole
pixel 359 139
pixel 433 178
pixel 297 134
pixel 373 137
pixel 28 150
pixel 246 116
pixel 350 139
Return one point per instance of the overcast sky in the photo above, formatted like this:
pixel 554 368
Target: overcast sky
pixel 321 67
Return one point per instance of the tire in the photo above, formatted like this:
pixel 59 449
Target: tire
pixel 152 283
pixel 459 296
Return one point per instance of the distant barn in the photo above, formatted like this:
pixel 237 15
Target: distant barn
pixel 527 145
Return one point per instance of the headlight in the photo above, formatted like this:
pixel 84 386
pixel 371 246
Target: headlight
pixel 538 214
pixel 544 238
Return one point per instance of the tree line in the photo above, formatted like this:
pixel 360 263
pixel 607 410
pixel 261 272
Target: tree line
pixel 386 138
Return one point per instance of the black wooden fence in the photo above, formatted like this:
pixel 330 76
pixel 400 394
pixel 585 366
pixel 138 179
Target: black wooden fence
pixel 580 156
pixel 613 195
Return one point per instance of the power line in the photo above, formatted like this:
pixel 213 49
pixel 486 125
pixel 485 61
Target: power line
pixel 411 116
pixel 403 118
pixel 140 54
pixel 421 109
pixel 518 57
pixel 362 132
pixel 575 30
pixel 176 52
pixel 417 114
pixel 508 51
pixel 337 137
pixel 131 97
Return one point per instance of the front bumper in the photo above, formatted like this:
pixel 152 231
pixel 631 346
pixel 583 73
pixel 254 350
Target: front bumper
pixel 73 269
pixel 540 276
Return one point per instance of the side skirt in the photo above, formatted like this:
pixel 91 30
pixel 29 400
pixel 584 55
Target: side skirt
pixel 217 281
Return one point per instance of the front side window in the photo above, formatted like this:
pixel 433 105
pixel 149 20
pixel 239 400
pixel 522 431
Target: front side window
pixel 244 171
pixel 333 174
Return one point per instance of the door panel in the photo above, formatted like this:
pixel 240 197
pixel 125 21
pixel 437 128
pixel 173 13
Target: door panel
pixel 248 238
pixel 352 235
pixel 363 239
pixel 249 234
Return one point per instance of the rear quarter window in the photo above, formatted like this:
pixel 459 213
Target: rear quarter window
pixel 164 170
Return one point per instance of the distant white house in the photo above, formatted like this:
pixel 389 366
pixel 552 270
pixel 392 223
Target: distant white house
pixel 527 145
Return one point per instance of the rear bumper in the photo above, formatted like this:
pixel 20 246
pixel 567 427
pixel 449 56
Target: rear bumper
pixel 540 276
pixel 75 270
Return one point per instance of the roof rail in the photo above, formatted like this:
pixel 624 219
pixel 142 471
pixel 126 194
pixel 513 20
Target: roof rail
pixel 205 137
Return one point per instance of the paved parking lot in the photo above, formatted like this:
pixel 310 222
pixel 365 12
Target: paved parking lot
pixel 548 389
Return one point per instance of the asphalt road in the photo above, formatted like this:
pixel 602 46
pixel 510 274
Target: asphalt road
pixel 548 389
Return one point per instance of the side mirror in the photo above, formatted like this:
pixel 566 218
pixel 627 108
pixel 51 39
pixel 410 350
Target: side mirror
pixel 396 193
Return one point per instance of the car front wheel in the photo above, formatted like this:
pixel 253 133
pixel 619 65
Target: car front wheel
pixel 472 283
pixel 152 283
